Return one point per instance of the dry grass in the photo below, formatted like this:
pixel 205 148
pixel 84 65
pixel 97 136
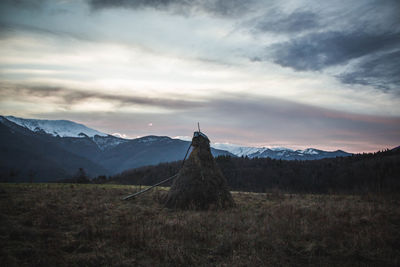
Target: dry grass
pixel 88 225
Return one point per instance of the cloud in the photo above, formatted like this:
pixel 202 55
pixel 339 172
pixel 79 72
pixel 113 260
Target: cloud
pixel 278 22
pixel 213 7
pixel 235 118
pixel 67 97
pixel 318 51
pixel 377 55
pixel 9 29
pixel 254 110
pixel 26 4
pixel 381 71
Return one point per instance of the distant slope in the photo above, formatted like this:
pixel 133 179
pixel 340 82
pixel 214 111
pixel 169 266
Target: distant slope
pixel 53 149
pixel 306 154
pixel 128 154
pixel 72 130
pixel 62 128
pixel 147 150
pixel 25 154
pixel 280 152
pixel 49 157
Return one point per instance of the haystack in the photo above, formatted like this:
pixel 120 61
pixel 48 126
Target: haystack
pixel 200 184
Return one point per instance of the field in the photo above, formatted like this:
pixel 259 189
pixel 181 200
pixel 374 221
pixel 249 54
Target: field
pixel 89 225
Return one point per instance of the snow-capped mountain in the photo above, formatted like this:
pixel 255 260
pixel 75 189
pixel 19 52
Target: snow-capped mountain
pixel 57 148
pixel 279 152
pixel 48 151
pixel 306 154
pixel 62 128
pixel 246 150
pixel 237 149
pixel 68 129
pixel 108 142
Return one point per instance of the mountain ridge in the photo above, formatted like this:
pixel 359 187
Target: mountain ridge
pixel 106 141
pixel 62 128
pixel 280 152
pixel 26 155
pixel 51 154
pixel 53 157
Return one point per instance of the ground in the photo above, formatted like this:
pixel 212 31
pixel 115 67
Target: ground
pixel 89 225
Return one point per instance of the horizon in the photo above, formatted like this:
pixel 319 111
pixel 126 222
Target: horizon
pixel 189 138
pixel 297 74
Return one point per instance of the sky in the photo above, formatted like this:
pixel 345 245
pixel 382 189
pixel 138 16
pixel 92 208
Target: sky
pixel 296 73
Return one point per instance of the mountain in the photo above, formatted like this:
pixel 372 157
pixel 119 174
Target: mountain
pixel 306 154
pixel 280 152
pixel 62 128
pixel 51 150
pixel 27 155
pixel 237 149
pixel 91 140
pixel 56 149
pixel 148 150
pixel 75 136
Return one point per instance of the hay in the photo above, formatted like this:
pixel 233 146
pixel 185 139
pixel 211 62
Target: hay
pixel 200 184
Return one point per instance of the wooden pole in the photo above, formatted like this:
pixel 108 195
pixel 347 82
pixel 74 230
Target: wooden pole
pixel 147 189
pixel 159 183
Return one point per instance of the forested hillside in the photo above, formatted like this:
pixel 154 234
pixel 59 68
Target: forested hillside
pixel 373 172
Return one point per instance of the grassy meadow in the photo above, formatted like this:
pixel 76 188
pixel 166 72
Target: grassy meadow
pixel 89 225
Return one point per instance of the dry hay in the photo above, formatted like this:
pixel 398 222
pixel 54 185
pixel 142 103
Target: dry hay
pixel 200 184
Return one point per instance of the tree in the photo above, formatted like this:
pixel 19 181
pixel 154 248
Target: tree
pixel 81 177
pixel 31 175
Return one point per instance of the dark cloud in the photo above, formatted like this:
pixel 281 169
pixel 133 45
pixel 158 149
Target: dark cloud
pixel 21 16
pixel 278 22
pixel 9 29
pixel 381 72
pixel 214 7
pixel 27 4
pixel 255 111
pixel 317 51
pixel 367 34
pixel 66 97
pixel 99 4
pixel 376 52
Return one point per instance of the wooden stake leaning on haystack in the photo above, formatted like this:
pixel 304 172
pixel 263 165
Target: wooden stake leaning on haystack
pixel 199 184
pixel 159 183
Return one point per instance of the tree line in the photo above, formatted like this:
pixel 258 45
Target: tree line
pixel 370 172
